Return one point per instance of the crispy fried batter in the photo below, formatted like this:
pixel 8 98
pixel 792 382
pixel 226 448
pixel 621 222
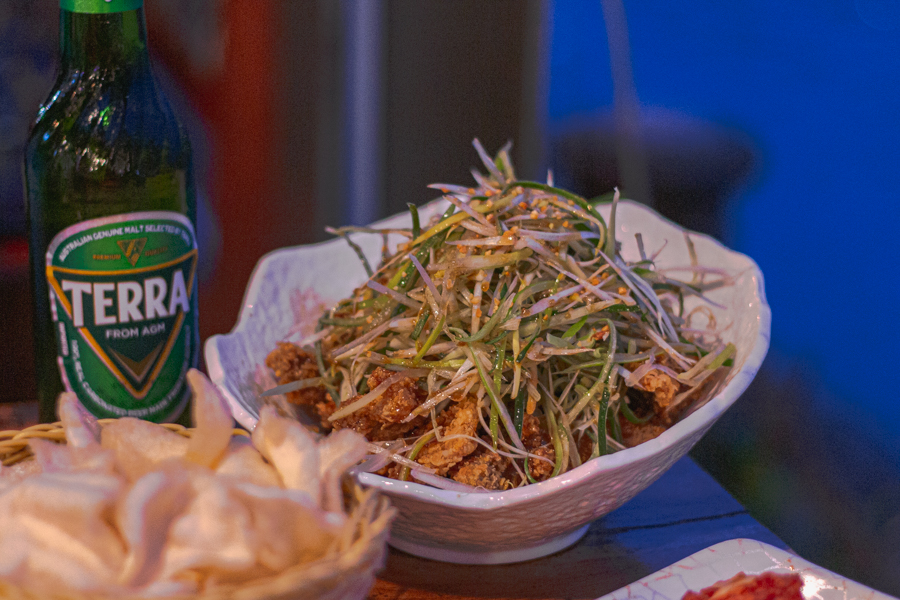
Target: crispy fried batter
pixel 537 440
pixel 533 435
pixel 391 470
pixel 585 447
pixel 461 459
pixel 483 468
pixel 460 418
pixel 663 387
pixel 292 363
pixel 633 434
pixel 541 469
pixel 382 419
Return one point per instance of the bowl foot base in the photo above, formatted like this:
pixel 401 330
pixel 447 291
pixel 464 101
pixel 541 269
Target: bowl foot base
pixel 495 557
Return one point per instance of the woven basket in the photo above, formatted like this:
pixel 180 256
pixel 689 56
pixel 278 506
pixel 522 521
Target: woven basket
pixel 347 571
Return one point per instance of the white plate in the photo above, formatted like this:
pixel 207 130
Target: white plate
pixel 727 559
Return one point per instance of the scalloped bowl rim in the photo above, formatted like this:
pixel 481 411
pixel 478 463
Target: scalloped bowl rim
pixel 488 500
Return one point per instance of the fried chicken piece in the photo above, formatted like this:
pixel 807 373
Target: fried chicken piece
pixel 540 469
pixel 663 387
pixel 657 386
pixel 391 470
pixel 483 468
pixel 460 418
pixel 585 447
pixel 291 363
pixel 382 419
pixel 634 434
pixel 538 441
pixel 533 435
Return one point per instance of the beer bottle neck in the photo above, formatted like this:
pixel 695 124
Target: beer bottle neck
pixel 115 40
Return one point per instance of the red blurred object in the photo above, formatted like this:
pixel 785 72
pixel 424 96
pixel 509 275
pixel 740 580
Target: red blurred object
pixel 13 255
pixel 238 96
pixel 16 354
pixel 269 80
pixel 765 586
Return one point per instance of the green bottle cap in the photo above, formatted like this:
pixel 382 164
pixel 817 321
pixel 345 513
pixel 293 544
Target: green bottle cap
pixel 100 6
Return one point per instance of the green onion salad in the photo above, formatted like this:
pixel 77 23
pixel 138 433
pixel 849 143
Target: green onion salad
pixel 507 341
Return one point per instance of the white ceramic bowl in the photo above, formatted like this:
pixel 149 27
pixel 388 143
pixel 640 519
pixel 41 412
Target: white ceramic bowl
pixel 290 288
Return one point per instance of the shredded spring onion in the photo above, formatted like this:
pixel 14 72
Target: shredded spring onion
pixel 517 296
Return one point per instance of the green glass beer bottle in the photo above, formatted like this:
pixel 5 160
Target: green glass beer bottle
pixel 111 212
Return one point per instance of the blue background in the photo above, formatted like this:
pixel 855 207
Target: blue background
pixel 814 84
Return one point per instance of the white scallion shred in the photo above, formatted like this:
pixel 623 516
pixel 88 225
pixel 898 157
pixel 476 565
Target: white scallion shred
pixel 512 300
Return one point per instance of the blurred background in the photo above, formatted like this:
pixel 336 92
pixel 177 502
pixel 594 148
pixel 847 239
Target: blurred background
pixel 770 125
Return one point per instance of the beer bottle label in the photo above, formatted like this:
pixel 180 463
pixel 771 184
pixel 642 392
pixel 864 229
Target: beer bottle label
pixel 100 6
pixel 122 296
